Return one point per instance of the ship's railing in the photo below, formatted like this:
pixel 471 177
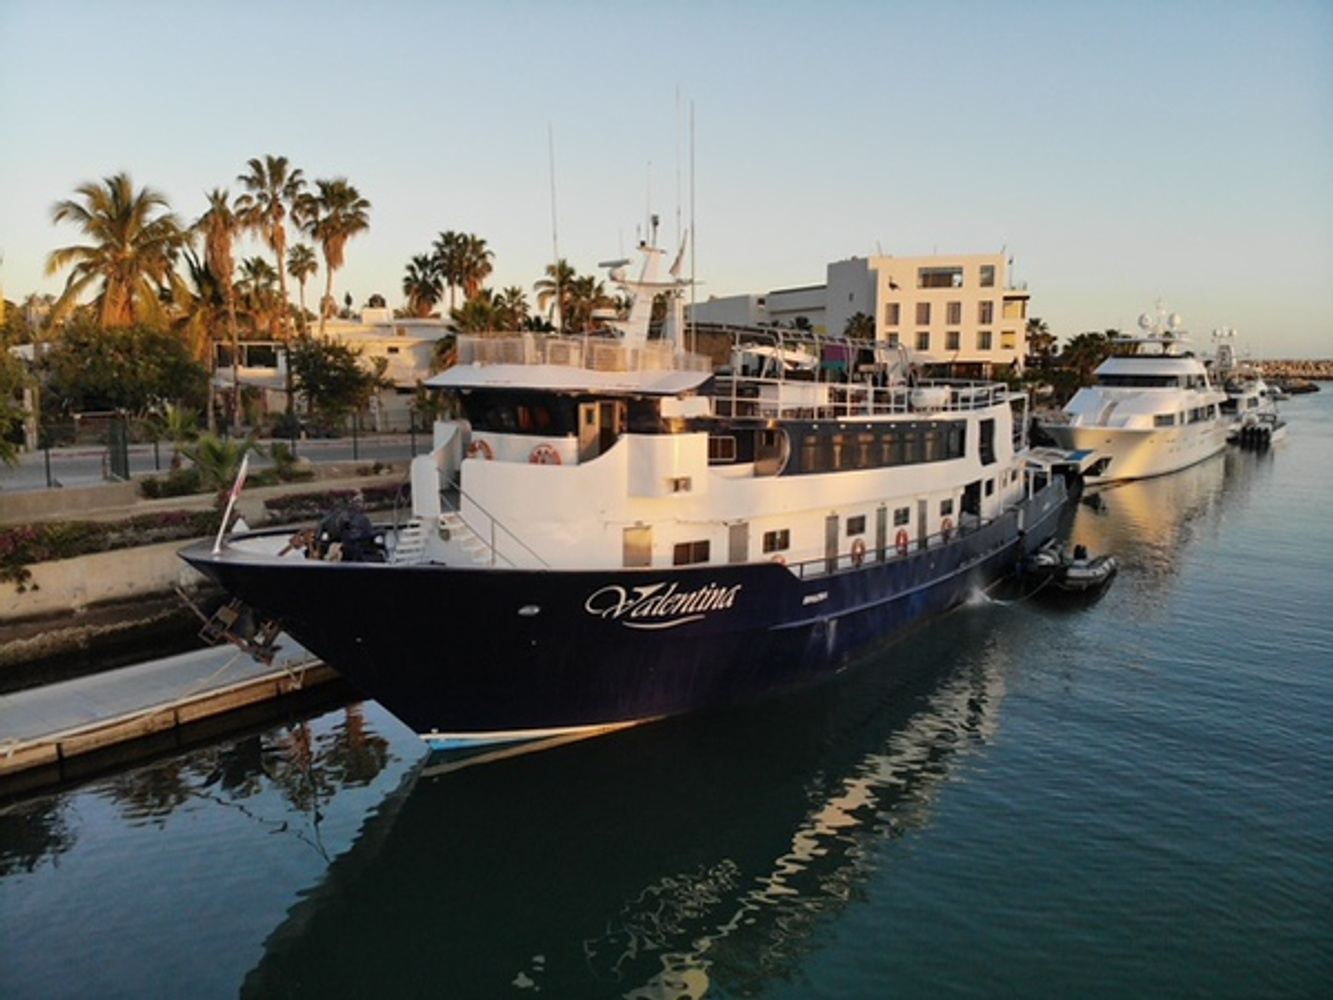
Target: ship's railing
pixel 595 353
pixel 769 398
pixel 855 557
pixel 451 500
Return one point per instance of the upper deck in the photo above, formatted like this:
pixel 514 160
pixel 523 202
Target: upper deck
pixel 772 374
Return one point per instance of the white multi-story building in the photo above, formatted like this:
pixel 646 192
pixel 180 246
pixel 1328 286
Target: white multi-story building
pixel 964 311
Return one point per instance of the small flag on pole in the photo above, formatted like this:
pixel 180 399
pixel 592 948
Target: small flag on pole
pixel 232 497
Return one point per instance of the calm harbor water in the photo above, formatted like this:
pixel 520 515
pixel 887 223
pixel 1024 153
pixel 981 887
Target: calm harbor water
pixel 1134 797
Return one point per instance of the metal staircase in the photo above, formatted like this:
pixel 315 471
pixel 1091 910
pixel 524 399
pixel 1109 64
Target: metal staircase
pixel 477 549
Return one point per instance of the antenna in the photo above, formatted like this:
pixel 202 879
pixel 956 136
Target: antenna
pixel 678 229
pixel 555 240
pixel 648 202
pixel 694 334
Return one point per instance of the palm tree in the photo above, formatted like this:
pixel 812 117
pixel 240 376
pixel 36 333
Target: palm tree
pixel 512 308
pixel 583 296
pixel 301 264
pixel 272 189
pixel 261 300
pixel 1041 342
pixel 860 327
pixel 332 217
pixel 474 264
pixel 554 286
pixel 201 310
pixel 477 314
pixel 134 242
pixel 422 286
pixel 447 253
pixel 220 226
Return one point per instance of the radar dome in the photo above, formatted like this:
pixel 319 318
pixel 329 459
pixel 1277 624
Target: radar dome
pixel 1174 321
pixel 1145 321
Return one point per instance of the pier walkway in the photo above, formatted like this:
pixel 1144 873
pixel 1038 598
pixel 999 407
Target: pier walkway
pixel 46 728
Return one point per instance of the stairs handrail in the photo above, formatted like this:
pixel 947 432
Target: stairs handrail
pixel 494 523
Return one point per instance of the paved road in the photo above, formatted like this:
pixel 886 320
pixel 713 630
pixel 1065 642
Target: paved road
pixel 85 466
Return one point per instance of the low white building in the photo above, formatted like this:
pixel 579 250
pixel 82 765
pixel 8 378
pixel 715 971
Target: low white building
pixel 405 349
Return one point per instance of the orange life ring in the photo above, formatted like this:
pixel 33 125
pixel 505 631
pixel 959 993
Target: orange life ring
pixel 544 454
pixel 946 528
pixel 779 560
pixel 480 449
pixel 902 540
pixel 858 552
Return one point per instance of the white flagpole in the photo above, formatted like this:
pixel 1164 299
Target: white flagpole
pixel 236 488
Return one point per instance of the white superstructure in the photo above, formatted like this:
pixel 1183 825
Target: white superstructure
pixel 1153 410
pixel 1251 403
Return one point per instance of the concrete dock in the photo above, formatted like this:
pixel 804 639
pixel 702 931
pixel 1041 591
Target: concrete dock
pixel 51 733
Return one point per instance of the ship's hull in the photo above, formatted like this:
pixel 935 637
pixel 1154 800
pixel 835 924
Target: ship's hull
pixel 1141 454
pixel 469 651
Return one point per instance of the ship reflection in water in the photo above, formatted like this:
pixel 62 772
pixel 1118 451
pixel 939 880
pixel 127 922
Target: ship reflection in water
pixel 652 863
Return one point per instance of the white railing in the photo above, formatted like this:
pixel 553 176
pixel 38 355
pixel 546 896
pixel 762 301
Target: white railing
pixel 594 353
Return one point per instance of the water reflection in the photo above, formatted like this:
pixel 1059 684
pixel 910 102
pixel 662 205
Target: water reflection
pixel 656 862
pixel 304 765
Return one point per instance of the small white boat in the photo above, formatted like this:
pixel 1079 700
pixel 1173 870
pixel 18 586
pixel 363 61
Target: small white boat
pixel 1053 566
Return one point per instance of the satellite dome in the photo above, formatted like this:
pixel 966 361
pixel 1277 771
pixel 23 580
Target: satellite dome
pixel 1174 320
pixel 1145 321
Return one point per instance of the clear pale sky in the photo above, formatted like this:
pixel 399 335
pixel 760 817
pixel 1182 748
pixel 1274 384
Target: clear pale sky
pixel 1121 151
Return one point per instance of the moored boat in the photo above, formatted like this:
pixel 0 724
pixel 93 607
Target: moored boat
pixel 1153 410
pixel 612 532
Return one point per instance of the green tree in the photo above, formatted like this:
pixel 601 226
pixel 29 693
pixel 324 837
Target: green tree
pixel 331 218
pixel 301 265
pixel 272 189
pixel 477 314
pixel 331 377
pixel 1041 343
pixel 447 255
pixel 200 311
pixel 511 307
pixel 220 226
pixel 133 242
pixel 554 286
pixel 124 368
pixel 583 296
pixel 1086 351
pixel 860 327
pixel 13 379
pixel 218 460
pixel 422 286
pixel 474 264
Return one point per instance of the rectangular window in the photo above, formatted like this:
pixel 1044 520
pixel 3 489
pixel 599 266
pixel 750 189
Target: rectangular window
pixel 777 541
pixel 680 484
pixel 985 312
pixel 983 340
pixel 1164 420
pixel 391 350
pixel 689 553
pixel 986 451
pixel 954 313
pixel 721 449
pixel 838 453
pixel 891 311
pixel 922 313
pixel 990 487
pixel 951 340
pixel 1008 341
pixel 865 451
pixel 939 277
pixel 923 340
pixel 987 275
pixel 946 507
pixel 856 525
pixel 638 547
pixel 260 355
pixel 901 516
pixel 1014 309
pixel 893 339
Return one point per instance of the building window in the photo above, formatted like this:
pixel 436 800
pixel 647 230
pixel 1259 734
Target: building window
pixel 951 341
pixel 856 525
pixel 680 484
pixel 985 312
pixel 954 313
pixel 946 507
pixel 990 487
pixel 777 541
pixel 1015 309
pixel 891 312
pixel 987 275
pixel 689 553
pixel 923 340
pixel 1008 341
pixel 939 277
pixel 391 350
pixel 901 516
pixel 721 449
pixel 922 313
pixel 1164 420
pixel 983 340
pixel 893 339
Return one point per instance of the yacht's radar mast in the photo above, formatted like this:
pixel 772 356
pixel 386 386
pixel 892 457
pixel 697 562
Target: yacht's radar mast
pixel 646 286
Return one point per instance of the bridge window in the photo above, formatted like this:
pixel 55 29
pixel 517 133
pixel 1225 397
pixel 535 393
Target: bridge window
pixel 901 516
pixel 856 525
pixel 689 553
pixel 777 541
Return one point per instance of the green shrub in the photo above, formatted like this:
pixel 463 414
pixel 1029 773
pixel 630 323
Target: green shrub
pixel 176 483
